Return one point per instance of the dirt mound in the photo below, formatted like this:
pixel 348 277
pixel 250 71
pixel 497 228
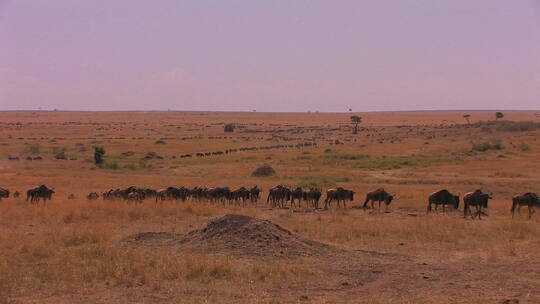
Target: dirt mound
pixel 246 235
pixel 153 239
pixel 264 170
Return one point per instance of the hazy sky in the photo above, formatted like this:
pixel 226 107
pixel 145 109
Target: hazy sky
pixel 295 55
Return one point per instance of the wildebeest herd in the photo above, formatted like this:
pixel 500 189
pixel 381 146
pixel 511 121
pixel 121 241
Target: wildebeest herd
pixel 281 196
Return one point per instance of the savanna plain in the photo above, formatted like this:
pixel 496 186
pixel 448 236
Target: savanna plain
pixel 112 251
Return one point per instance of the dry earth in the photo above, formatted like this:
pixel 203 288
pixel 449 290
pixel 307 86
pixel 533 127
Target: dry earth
pixel 79 251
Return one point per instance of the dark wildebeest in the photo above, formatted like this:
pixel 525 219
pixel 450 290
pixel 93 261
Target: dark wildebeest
pixel 16 194
pixel 379 195
pixel 4 193
pixel 71 196
pixel 135 197
pixel 278 196
pixel 528 199
pixel 443 197
pixel 217 194
pixel 92 196
pixel 338 194
pixel 297 194
pixel 312 197
pixel 240 194
pixel 254 194
pixel 42 192
pixel 477 199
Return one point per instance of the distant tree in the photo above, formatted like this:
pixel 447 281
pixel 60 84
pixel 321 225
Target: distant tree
pixel 499 115
pixel 98 155
pixel 229 128
pixel 356 120
pixel 467 116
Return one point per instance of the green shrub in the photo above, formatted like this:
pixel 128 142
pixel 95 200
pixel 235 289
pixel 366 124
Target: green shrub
pixel 32 149
pixel 110 165
pixel 524 147
pixel 508 126
pixel 98 155
pixel 493 144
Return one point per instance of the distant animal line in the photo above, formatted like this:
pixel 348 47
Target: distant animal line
pixel 281 196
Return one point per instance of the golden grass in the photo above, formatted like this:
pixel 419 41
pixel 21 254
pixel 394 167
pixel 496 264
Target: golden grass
pixel 69 247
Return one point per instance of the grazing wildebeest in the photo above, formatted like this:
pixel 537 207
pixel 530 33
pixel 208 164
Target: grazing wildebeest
pixel 528 199
pixel 443 197
pixel 254 194
pixel 72 196
pixel 297 194
pixel 338 194
pixel 16 194
pixel 312 197
pixel 379 195
pixel 477 199
pixel 4 193
pixel 92 196
pixel 279 196
pixel 42 192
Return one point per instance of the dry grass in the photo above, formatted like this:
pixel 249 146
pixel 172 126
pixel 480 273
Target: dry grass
pixel 72 250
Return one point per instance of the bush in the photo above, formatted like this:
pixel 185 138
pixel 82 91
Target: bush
pixel 264 170
pixel 60 155
pixel 493 144
pixel 524 147
pixel 110 165
pixel 508 126
pixel 33 149
pixel 229 128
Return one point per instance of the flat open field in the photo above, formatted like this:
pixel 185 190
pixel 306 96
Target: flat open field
pixel 82 251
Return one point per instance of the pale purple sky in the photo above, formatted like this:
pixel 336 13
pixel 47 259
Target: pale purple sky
pixel 300 55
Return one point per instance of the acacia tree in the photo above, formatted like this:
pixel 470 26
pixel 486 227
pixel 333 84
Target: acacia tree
pixel 499 115
pixel 467 116
pixel 356 120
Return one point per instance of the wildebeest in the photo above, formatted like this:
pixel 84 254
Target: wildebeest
pixel 528 199
pixel 379 195
pixel 4 193
pixel 71 196
pixel 16 194
pixel 135 197
pixel 297 194
pixel 312 197
pixel 240 194
pixel 92 196
pixel 278 196
pixel 338 194
pixel 217 194
pixel 254 194
pixel 477 199
pixel 443 197
pixel 42 192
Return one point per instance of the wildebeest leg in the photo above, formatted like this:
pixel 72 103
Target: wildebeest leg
pixel 365 203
